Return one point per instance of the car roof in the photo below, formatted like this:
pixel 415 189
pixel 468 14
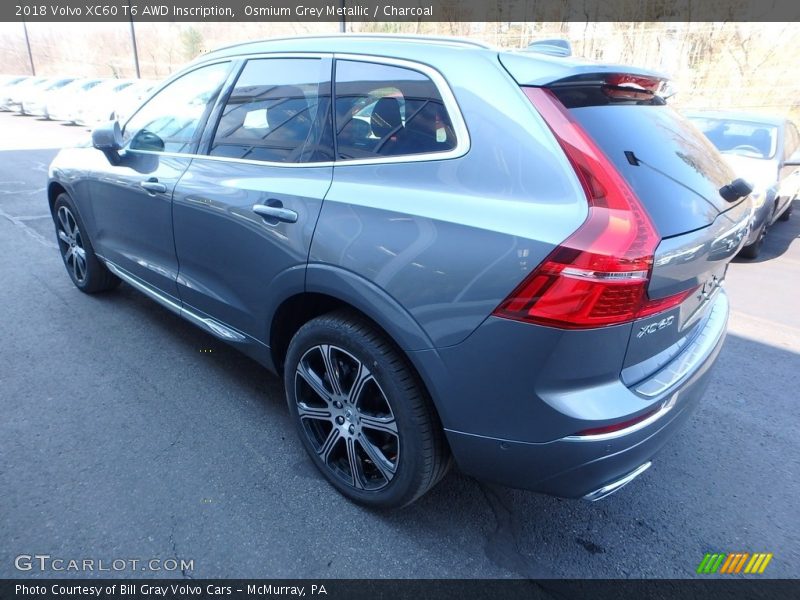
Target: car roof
pixel 735 115
pixel 527 67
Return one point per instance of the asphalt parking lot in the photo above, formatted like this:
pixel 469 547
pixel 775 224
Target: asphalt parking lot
pixel 128 433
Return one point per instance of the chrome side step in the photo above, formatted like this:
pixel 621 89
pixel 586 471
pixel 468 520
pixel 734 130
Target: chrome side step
pixel 212 326
pixel 609 489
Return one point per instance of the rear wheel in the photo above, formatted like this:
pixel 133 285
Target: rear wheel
pixel 361 412
pixel 84 268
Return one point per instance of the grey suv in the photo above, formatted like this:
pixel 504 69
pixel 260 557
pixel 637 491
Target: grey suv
pixel 506 258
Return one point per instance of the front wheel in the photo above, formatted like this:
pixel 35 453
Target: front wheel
pixel 84 268
pixel 754 249
pixel 361 412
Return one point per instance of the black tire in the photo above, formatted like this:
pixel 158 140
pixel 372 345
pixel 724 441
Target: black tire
pixel 787 213
pixel 753 250
pixel 412 458
pixel 84 268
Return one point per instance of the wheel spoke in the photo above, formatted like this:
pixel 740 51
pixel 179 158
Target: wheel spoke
pixel 63 236
pixel 362 377
pixel 69 255
pixel 330 367
pixel 62 216
pixel 312 412
pixel 383 464
pixel 75 266
pixel 355 464
pixel 80 261
pixel 329 444
pixel 385 424
pixel 80 252
pixel 313 380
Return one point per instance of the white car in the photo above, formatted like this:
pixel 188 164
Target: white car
pixel 99 105
pixel 129 99
pixel 33 101
pixel 65 105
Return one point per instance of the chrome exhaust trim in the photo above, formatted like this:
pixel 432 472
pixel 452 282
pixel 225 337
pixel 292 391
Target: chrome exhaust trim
pixel 610 488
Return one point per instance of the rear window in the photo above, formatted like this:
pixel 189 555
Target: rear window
pixel 674 170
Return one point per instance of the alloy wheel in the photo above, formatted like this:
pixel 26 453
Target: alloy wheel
pixel 347 417
pixel 71 243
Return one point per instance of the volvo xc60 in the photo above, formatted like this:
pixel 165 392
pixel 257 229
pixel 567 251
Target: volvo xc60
pixel 450 253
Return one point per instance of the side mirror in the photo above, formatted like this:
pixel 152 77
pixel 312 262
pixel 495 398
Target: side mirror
pixel 108 139
pixel 738 188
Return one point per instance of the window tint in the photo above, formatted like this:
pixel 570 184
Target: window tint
pixel 169 121
pixel 278 111
pixel 383 110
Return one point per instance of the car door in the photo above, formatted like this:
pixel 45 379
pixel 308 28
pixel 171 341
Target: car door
pixel 244 213
pixel 132 196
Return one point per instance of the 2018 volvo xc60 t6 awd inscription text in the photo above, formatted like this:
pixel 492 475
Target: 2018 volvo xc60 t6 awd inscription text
pixel 450 253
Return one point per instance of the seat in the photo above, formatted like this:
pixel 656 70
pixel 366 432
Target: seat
pixel 386 118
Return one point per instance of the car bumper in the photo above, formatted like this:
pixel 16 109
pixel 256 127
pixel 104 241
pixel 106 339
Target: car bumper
pixel 592 466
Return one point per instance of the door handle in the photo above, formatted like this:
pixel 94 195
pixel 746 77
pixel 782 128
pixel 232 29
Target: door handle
pixel 153 187
pixel 275 211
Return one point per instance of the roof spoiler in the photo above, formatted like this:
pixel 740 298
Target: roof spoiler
pixel 537 69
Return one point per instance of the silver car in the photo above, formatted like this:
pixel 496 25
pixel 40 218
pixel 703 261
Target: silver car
pixel 450 253
pixel 765 150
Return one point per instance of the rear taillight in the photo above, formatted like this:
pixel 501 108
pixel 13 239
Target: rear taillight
pixel 599 275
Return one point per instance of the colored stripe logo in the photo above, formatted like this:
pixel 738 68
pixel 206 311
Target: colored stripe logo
pixel 734 562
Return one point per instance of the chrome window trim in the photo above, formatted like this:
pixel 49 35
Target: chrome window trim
pixel 449 100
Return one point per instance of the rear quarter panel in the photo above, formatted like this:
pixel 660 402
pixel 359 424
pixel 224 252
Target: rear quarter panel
pixel 449 239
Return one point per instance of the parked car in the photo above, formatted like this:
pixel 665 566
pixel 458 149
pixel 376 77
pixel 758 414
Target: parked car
pixel 66 105
pixel 12 94
pixel 98 104
pixel 516 264
pixel 33 101
pixel 764 150
pixel 8 82
pixel 128 100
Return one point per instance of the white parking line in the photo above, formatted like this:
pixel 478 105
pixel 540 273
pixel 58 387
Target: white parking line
pixel 30 231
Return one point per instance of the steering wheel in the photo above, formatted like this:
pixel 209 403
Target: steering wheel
pixel 748 148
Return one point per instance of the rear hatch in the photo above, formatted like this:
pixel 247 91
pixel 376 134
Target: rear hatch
pixel 676 175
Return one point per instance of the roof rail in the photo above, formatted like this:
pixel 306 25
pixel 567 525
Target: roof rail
pixel 437 39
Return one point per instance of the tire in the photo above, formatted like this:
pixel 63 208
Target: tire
pixel 787 213
pixel 84 268
pixel 378 416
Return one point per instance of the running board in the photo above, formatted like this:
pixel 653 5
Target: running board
pixel 215 328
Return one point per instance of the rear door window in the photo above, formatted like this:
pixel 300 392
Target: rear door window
pixel 385 110
pixel 278 111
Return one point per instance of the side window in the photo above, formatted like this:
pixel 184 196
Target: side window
pixel 384 110
pixel 169 121
pixel 278 111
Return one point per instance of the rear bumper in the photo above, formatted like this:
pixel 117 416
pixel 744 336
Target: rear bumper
pixel 576 466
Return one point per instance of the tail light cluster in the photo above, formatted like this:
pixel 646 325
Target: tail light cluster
pixel 599 275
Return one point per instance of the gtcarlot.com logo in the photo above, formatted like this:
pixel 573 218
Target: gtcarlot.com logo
pixel 46 562
pixel 732 563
